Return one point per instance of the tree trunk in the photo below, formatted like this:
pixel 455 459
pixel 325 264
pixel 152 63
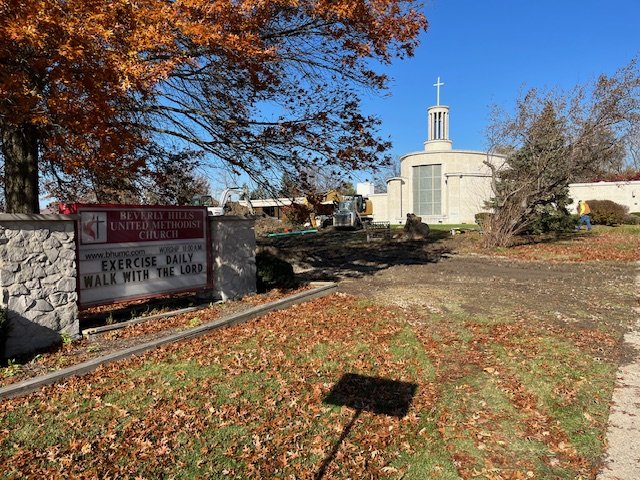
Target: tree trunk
pixel 20 152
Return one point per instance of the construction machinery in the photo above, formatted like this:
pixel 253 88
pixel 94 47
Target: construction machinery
pixel 352 212
pixel 216 211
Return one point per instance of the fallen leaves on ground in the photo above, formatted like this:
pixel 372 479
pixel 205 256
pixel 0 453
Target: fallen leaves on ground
pixel 251 402
pixel 605 246
pixel 82 350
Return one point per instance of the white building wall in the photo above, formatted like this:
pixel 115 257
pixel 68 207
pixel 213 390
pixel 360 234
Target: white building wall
pixel 466 195
pixel 477 191
pixel 452 202
pixel 380 207
pixel 365 188
pixel 398 190
pixel 624 193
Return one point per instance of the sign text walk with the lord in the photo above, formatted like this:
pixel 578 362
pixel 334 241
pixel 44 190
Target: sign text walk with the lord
pixel 127 252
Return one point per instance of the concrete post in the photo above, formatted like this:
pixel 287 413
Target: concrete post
pixel 234 256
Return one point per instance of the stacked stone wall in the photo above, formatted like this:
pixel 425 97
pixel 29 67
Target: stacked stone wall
pixel 38 280
pixel 38 274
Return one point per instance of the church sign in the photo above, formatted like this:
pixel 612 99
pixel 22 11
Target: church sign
pixel 131 252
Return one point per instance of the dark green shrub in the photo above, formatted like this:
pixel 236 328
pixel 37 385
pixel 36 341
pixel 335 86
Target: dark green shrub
pixel 637 214
pixel 273 272
pixel 607 212
pixel 551 219
pixel 632 219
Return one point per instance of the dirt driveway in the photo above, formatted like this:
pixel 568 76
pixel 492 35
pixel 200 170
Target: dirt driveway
pixel 434 277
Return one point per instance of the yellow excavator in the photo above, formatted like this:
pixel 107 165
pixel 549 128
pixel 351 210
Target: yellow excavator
pixel 341 211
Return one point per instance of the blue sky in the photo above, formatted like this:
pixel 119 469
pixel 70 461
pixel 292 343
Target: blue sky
pixel 487 51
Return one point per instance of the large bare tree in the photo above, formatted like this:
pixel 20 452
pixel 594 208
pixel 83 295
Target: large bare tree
pixel 165 177
pixel 554 138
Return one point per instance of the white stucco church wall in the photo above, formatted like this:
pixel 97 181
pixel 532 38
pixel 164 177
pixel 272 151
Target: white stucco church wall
pixel 443 185
pixel 624 193
pixel 446 186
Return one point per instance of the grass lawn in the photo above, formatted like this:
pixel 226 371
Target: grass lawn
pixel 493 397
pixel 620 243
pixel 342 387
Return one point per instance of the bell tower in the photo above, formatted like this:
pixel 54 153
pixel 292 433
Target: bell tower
pixel 438 124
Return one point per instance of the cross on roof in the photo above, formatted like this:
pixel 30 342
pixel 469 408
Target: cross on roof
pixel 438 84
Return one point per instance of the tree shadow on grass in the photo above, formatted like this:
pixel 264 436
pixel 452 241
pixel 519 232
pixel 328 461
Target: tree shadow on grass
pixel 380 396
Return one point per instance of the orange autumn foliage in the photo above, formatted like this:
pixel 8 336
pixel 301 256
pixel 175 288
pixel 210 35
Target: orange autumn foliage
pixel 83 72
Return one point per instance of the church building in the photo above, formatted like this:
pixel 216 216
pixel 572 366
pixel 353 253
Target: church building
pixel 439 184
pixel 448 186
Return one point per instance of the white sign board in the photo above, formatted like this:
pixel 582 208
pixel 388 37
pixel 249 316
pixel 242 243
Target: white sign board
pixel 130 252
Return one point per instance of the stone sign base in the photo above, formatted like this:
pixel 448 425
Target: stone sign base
pixel 38 280
pixel 38 274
